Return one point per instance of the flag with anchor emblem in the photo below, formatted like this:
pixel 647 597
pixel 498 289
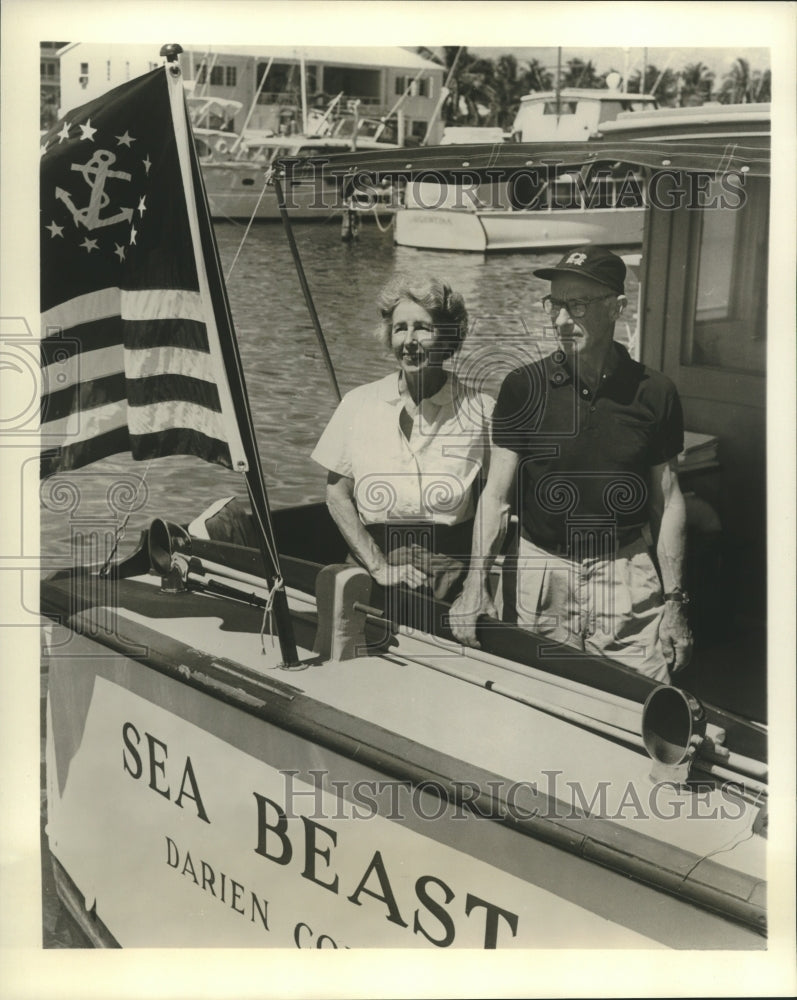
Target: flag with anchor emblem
pixel 138 350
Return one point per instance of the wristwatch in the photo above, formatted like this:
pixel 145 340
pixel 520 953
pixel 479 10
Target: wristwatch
pixel 678 596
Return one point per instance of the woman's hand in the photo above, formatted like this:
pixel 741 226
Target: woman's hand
pixel 475 600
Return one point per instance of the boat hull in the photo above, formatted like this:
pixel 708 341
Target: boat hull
pixel 349 803
pixel 238 190
pixel 494 231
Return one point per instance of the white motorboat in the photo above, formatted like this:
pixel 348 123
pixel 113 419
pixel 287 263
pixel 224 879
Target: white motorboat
pixel 559 214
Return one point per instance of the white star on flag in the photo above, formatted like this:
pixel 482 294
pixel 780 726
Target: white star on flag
pixel 147 163
pixel 141 205
pixel 64 133
pixel 119 251
pixel 125 140
pixel 89 245
pixel 88 131
pixel 55 229
pixel 133 235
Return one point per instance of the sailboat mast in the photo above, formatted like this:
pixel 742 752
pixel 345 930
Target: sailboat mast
pixel 303 85
pixel 444 92
pixel 558 84
pixel 252 106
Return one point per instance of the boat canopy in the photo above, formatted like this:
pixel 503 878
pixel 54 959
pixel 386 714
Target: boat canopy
pixel 712 154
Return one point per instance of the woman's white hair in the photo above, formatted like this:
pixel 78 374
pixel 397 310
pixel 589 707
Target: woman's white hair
pixel 444 305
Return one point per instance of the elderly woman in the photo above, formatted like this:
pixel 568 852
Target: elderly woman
pixel 405 453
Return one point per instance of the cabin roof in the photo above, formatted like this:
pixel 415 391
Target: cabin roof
pixel 586 94
pixel 686 120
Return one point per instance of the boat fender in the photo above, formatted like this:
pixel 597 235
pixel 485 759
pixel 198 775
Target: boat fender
pixel 673 731
pixel 342 593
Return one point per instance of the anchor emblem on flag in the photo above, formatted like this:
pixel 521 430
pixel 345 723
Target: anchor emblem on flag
pixel 95 173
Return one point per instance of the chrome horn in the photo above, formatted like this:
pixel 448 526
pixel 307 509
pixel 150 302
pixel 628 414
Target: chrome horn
pixel 166 541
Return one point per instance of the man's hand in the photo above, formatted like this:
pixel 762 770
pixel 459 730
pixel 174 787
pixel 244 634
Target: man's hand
pixel 676 636
pixel 472 602
pixel 392 575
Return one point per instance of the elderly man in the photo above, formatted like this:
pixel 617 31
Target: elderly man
pixel 588 438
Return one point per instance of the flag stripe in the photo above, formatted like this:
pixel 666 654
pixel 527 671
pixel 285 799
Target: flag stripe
pixel 81 398
pixel 165 388
pixel 180 441
pixel 162 303
pixel 103 304
pixel 82 338
pixel 187 333
pixel 58 375
pixel 81 426
pixel 75 456
pixel 169 361
pixel 157 417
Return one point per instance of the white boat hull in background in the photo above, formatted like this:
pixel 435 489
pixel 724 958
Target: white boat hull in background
pixel 490 230
pixel 237 189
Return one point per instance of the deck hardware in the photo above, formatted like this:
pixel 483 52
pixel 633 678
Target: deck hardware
pixel 342 594
pixel 673 730
pixel 169 547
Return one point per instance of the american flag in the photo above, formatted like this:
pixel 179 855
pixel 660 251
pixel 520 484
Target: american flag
pixel 136 328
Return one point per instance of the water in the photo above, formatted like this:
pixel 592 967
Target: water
pixel 289 389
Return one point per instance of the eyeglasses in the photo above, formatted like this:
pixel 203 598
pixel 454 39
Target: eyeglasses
pixel 575 307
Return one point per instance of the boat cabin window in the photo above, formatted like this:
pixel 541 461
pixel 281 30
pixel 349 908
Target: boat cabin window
pixel 729 297
pixel 574 191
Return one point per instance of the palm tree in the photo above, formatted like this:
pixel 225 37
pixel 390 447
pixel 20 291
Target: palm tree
pixel 536 77
pixel 696 82
pixel 581 74
pixel 737 84
pixel 513 80
pixel 663 84
pixel 762 86
pixel 472 95
pixel 508 89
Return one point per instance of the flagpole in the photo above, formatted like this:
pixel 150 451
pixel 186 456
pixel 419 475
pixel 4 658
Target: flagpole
pixel 251 465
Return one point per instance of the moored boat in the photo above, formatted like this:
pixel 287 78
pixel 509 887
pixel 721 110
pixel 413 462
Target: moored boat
pixel 557 215
pixel 237 187
pixel 553 212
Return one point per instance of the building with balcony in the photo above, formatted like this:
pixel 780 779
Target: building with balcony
pixel 50 71
pixel 276 84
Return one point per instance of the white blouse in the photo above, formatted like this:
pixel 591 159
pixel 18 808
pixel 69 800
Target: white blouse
pixel 428 477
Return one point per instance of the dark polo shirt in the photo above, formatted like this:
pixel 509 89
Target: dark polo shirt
pixel 585 457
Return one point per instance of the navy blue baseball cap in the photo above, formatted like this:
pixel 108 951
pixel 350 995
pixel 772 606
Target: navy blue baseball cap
pixel 597 263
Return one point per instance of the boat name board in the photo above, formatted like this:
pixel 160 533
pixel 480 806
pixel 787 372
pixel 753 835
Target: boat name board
pixel 233 850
